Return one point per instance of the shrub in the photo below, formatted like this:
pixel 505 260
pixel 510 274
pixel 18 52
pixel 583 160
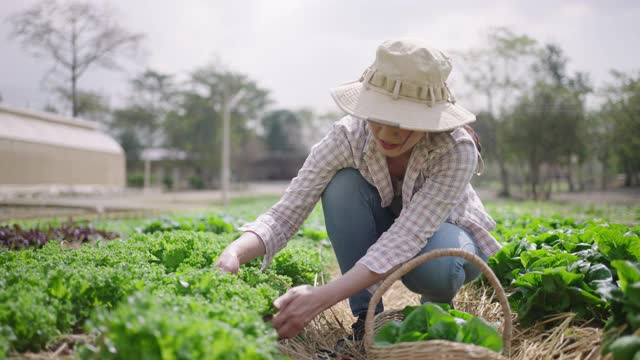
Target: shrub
pixel 196 182
pixel 167 181
pixel 135 180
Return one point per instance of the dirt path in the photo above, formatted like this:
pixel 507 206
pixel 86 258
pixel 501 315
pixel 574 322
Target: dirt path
pixel 24 206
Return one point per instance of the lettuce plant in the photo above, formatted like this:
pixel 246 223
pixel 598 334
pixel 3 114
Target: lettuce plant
pixel 439 322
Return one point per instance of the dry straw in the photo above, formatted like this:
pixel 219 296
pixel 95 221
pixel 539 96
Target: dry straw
pixel 554 338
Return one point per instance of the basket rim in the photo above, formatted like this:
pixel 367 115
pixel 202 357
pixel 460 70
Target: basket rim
pixel 433 343
pixel 433 348
pixel 415 262
pixel 425 343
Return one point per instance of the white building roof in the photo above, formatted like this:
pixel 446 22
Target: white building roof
pixel 158 154
pixel 53 129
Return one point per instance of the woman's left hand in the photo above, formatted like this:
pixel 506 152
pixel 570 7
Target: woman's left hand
pixel 302 303
pixel 298 307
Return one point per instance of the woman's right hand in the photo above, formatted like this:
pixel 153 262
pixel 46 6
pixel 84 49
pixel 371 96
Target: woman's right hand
pixel 228 262
pixel 244 249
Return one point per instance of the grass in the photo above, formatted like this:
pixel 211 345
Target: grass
pixel 125 223
pixel 621 214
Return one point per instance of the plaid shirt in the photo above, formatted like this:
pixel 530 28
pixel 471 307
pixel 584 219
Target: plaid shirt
pixel 435 189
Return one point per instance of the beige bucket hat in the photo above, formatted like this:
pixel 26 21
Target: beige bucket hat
pixel 405 87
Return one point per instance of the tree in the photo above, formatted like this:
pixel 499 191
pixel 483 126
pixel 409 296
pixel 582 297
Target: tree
pixel 315 125
pixel 570 129
pixel 600 132
pixel 498 72
pixel 484 127
pixel 89 104
pixel 131 146
pixel 195 124
pixel 153 96
pixel 154 90
pixel 48 107
pixel 548 123
pixel 621 117
pixel 219 84
pixel 76 36
pixel 535 123
pixel 283 131
pixel 136 119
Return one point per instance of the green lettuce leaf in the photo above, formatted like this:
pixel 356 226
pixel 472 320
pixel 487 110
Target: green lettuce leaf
pixel 479 332
pixel 415 322
pixel 388 333
pixel 616 246
pixel 441 324
pixel 625 347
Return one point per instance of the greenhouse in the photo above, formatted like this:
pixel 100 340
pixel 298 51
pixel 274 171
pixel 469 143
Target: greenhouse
pixel 42 148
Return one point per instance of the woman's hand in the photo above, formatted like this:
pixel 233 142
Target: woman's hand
pixel 298 307
pixel 302 303
pixel 228 262
pixel 244 249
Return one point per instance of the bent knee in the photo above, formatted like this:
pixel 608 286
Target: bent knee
pixel 346 182
pixel 437 280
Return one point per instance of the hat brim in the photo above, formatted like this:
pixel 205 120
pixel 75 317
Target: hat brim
pixel 370 104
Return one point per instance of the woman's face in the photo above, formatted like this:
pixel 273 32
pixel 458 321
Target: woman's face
pixel 393 141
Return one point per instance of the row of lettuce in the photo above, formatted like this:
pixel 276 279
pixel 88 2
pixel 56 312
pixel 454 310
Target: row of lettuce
pixel 155 294
pixel 152 295
pixel 591 268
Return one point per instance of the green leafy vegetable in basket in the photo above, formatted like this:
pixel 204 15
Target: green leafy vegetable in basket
pixel 439 322
pixel 626 347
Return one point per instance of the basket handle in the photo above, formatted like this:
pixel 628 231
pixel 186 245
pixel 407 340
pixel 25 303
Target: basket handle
pixel 419 260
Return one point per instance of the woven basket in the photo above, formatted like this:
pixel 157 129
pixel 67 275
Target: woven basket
pixel 432 349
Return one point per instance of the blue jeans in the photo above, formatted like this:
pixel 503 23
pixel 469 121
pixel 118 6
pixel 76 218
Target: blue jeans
pixel 355 220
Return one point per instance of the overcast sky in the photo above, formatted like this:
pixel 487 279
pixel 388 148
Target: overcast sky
pixel 299 49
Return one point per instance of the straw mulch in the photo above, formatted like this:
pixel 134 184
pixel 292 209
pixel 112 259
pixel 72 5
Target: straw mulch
pixel 61 349
pixel 559 337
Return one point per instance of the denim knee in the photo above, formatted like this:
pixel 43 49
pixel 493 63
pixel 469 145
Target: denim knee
pixel 437 280
pixel 345 184
pixel 440 279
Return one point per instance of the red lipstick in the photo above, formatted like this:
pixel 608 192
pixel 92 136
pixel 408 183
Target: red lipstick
pixel 388 146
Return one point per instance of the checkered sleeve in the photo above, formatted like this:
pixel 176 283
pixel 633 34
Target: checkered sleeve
pixel 446 180
pixel 278 225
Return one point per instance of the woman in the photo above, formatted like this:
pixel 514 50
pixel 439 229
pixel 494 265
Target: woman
pixel 394 177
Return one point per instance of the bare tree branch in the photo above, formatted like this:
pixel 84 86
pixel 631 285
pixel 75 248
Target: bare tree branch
pixel 76 36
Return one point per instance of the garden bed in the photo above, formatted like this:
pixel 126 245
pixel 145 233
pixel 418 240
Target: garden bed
pixel 152 291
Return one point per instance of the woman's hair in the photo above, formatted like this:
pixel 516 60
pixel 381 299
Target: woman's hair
pixel 474 136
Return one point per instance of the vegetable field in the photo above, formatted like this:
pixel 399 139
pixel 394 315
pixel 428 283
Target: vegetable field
pixel 150 294
pixel 146 288
pixel 560 265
